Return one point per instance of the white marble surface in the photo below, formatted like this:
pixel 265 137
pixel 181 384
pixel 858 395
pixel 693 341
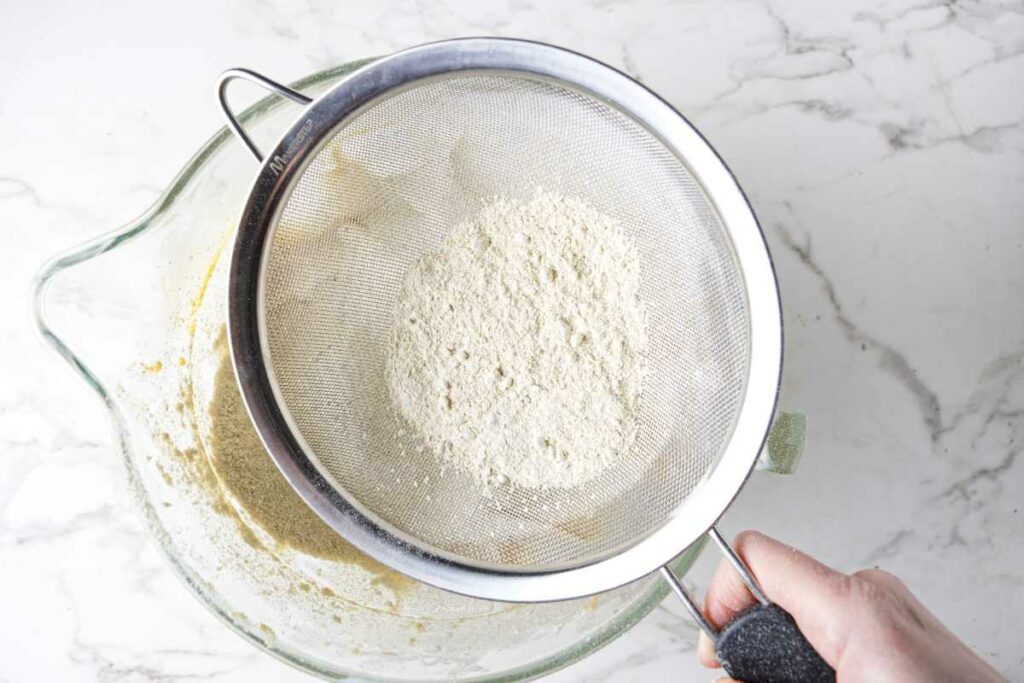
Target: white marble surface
pixel 881 143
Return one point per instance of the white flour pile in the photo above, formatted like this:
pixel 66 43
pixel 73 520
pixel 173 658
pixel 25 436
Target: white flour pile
pixel 518 350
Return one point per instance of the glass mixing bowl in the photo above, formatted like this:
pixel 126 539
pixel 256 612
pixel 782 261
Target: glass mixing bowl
pixel 137 313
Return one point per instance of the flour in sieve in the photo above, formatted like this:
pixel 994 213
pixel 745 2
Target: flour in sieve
pixel 517 350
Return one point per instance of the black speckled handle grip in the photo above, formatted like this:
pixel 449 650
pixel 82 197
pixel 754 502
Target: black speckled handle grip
pixel 764 645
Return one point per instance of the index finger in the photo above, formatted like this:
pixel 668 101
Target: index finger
pixel 811 592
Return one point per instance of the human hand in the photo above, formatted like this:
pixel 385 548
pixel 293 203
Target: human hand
pixel 869 627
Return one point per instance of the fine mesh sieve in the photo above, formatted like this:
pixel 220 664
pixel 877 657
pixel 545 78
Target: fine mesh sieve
pixel 383 191
pixel 369 179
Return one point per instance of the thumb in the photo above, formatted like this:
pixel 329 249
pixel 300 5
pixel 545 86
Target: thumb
pixel 816 596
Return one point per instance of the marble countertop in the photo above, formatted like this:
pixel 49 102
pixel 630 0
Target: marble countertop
pixel 881 144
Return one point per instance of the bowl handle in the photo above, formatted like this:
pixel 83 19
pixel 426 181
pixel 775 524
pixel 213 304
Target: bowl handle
pixel 258 79
pixel 785 444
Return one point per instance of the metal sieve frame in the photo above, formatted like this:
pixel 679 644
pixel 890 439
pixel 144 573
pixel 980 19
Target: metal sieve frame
pixel 247 330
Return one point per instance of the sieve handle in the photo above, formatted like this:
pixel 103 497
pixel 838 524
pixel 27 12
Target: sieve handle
pixel 260 80
pixel 762 644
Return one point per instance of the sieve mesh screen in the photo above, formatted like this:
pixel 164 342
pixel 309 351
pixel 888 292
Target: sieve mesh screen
pixel 385 190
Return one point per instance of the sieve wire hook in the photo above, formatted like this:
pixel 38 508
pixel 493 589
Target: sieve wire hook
pixel 273 86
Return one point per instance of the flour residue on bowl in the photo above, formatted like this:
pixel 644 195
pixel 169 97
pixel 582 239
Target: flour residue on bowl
pixel 248 476
pixel 243 466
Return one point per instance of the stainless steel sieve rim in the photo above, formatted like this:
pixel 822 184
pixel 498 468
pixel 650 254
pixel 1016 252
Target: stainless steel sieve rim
pixel 247 330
